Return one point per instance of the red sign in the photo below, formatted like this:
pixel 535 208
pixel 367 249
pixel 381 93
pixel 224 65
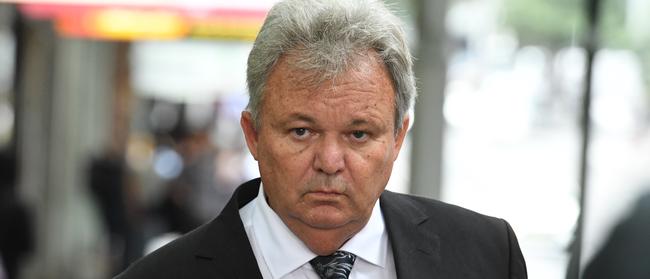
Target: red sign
pixel 147 22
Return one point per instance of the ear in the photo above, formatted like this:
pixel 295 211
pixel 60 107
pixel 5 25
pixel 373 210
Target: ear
pixel 400 135
pixel 248 127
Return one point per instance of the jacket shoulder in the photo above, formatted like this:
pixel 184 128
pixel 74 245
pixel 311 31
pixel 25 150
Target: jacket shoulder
pixel 439 212
pixel 167 261
pixel 465 238
pixel 216 249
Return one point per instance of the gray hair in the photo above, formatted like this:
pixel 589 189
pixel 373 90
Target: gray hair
pixel 328 35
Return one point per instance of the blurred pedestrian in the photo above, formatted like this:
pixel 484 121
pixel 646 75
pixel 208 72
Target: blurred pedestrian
pixel 16 232
pixel 626 252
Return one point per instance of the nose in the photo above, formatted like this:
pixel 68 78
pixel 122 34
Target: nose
pixel 329 156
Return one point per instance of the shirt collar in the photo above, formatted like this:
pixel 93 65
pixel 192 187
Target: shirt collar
pixel 371 242
pixel 284 252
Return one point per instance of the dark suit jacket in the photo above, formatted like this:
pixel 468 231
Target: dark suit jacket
pixel 430 239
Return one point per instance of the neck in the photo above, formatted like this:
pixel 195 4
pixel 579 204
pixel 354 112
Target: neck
pixel 324 241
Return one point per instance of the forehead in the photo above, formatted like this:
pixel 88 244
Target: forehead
pixel 366 85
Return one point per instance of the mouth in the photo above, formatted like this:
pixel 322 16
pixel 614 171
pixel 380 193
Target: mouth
pixel 324 194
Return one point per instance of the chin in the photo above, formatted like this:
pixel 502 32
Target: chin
pixel 327 218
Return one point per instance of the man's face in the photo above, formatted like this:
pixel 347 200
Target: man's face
pixel 325 152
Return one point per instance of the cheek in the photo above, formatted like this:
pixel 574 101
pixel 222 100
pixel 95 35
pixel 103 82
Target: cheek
pixel 272 148
pixel 380 158
pixel 282 160
pixel 371 169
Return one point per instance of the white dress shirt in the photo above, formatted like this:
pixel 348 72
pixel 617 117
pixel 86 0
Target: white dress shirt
pixel 282 255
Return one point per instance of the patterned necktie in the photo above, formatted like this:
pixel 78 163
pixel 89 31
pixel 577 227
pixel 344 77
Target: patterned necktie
pixel 335 266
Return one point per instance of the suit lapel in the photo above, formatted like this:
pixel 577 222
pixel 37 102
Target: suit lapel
pixel 224 247
pixel 415 250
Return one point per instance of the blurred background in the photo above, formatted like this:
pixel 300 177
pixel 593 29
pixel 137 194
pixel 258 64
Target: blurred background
pixel 119 123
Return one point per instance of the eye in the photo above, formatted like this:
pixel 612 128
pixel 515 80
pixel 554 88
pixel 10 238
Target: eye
pixel 300 133
pixel 359 135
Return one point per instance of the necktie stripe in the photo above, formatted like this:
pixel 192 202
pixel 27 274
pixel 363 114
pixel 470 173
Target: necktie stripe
pixel 335 266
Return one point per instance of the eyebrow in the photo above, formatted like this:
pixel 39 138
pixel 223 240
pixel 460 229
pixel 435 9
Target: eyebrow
pixel 300 117
pixel 359 122
pixel 365 124
pixel 310 120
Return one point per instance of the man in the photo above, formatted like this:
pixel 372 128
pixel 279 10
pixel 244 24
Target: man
pixel 331 84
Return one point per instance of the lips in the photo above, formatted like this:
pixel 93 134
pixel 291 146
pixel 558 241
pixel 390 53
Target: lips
pixel 324 194
pixel 327 191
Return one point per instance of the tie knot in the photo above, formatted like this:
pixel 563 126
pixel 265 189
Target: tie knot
pixel 334 266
